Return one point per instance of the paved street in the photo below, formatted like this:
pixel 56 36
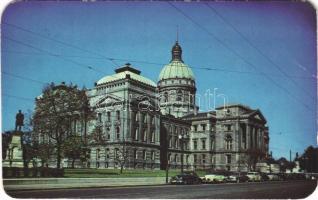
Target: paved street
pixel 265 190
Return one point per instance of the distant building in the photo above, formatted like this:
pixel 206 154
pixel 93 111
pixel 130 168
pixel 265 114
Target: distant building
pixel 158 124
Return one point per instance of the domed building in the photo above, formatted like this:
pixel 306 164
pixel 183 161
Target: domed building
pixel 141 124
pixel 176 86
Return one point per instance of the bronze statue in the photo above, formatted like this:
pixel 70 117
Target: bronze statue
pixel 19 118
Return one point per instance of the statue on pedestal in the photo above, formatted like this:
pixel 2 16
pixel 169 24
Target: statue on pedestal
pixel 19 118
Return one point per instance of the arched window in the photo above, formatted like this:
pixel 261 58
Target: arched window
pixel 176 158
pixel 179 95
pixel 165 97
pixel 228 142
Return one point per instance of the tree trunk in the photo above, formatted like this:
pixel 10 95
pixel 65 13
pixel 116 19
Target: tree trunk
pixel 73 162
pixel 121 168
pixel 58 157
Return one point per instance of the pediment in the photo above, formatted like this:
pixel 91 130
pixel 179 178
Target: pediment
pixel 107 100
pixel 258 115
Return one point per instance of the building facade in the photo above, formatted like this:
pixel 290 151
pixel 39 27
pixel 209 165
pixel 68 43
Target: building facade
pixel 155 126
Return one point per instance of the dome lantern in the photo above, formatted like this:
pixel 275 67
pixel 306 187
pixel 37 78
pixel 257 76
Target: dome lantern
pixel 176 52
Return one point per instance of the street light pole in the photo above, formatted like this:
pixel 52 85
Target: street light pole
pixel 181 141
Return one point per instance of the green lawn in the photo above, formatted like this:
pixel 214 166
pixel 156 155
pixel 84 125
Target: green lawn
pixel 115 173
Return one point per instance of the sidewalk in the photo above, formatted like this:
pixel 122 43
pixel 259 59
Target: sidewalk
pixel 53 183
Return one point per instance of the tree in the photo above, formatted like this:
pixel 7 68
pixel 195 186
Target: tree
pixel 308 161
pixel 285 164
pixel 73 148
pixel 59 111
pixel 121 156
pixel 253 156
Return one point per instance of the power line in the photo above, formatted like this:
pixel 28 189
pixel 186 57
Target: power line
pixel 161 64
pixel 23 77
pixel 52 54
pixel 18 97
pixel 238 55
pixel 257 49
pixel 121 59
pixel 101 56
pixel 60 42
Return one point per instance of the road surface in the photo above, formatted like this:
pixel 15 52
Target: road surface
pixel 264 190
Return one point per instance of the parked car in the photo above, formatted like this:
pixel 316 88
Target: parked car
pixel 264 177
pixel 236 177
pixel 186 178
pixel 214 178
pixel 282 176
pixel 254 176
pixel 273 177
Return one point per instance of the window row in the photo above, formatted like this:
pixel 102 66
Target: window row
pixel 199 127
pixel 121 154
pixel 144 134
pixel 180 96
pixel 109 116
pixel 144 118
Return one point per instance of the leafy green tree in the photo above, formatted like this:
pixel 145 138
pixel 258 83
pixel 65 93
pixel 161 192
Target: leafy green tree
pixel 308 161
pixel 58 113
pixel 73 148
pixel 253 156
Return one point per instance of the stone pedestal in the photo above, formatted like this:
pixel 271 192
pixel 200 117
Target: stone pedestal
pixel 14 157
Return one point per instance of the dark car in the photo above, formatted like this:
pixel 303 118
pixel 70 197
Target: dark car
pixel 265 177
pixel 236 177
pixel 186 178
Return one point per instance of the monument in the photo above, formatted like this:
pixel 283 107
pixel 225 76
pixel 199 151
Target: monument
pixel 14 156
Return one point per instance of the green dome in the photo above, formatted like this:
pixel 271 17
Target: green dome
pixel 176 69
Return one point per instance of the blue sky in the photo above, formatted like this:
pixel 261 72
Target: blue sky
pixel 283 32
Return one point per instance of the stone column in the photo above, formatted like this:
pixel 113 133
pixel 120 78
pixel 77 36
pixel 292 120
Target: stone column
pixel 248 144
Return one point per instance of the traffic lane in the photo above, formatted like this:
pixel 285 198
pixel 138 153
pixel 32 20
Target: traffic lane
pixel 296 189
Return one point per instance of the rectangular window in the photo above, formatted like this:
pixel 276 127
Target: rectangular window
pixel 203 144
pixel 152 136
pixel 99 117
pixel 195 128
pixel 136 134
pixel 144 155
pixel 203 158
pixel 228 127
pixel 108 116
pixel 228 159
pixel 118 115
pixel 152 155
pixel 203 127
pixel 195 144
pixel 176 142
pixel 195 158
